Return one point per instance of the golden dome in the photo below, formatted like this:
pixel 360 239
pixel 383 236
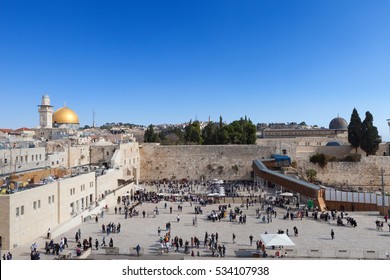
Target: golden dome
pixel 65 115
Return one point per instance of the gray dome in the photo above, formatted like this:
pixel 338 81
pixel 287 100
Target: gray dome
pixel 333 144
pixel 338 124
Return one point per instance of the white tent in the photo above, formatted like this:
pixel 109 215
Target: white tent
pixel 286 194
pixel 276 240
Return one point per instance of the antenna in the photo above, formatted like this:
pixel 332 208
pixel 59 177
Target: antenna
pixel 93 118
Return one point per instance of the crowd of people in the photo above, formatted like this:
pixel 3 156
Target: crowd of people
pixel 130 206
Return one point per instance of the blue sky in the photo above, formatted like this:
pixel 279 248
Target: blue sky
pixel 171 61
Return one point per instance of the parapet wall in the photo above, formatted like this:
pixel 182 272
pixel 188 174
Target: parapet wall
pixel 365 174
pixel 226 162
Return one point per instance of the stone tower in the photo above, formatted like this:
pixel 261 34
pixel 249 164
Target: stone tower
pixel 45 113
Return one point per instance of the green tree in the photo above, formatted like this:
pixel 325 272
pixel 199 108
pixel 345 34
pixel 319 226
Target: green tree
pixel 355 130
pixel 320 159
pixel 242 132
pixel 150 135
pixel 311 174
pixel 210 134
pixel 192 133
pixel 172 136
pixel 250 132
pixel 370 138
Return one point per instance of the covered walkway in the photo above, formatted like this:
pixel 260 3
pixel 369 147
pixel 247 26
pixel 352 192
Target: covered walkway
pixel 292 184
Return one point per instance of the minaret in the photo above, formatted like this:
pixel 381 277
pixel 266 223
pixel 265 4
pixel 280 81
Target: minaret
pixel 45 113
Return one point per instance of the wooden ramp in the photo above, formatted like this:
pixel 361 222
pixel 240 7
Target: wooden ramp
pixel 321 204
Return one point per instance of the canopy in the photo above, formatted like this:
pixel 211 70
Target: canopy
pixel 286 194
pixel 276 240
pixel 218 181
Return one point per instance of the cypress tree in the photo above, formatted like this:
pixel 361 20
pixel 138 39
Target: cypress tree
pixel 354 130
pixel 370 138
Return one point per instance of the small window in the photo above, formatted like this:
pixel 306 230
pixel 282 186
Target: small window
pixel 35 205
pixel 22 210
pixel 5 160
pixel 39 203
pixel 49 200
pixel 17 212
pixel 32 158
pixel 52 198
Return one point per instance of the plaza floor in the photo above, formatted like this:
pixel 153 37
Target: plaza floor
pixel 313 241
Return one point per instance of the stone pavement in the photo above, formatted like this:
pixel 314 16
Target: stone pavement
pixel 314 239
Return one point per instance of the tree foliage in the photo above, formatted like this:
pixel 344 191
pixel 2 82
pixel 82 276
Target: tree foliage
pixel 320 159
pixel 311 174
pixel 193 134
pixel 172 136
pixel 150 135
pixel 363 134
pixel 242 131
pixel 370 138
pixel 355 130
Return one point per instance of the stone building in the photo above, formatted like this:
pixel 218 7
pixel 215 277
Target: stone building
pixel 338 127
pixel 28 211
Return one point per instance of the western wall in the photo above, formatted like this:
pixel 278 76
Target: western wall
pixel 227 162
pixel 234 162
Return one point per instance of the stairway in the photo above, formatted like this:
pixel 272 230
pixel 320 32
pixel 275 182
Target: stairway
pixel 321 204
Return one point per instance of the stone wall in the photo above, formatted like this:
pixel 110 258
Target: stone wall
pixel 5 218
pixel 226 162
pixel 365 174
pixel 338 152
pixel 108 182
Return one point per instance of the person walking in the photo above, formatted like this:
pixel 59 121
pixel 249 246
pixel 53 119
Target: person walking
pixel 295 231
pixel 234 238
pixel 332 233
pixel 251 239
pixel 138 249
